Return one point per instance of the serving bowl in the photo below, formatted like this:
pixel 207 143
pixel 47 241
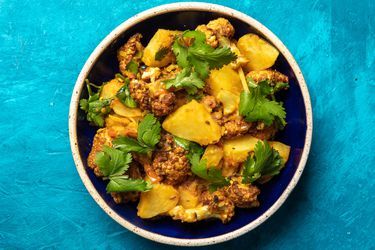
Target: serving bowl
pixel 102 65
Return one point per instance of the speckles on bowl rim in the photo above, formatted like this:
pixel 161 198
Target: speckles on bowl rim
pixel 188 6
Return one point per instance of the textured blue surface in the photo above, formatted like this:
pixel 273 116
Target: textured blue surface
pixel 43 203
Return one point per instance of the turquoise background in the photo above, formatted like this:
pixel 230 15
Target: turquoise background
pixel 44 44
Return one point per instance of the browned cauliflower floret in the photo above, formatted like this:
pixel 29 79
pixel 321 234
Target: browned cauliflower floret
pixel 215 29
pixel 219 205
pixel 236 127
pixel 209 102
pixel 272 75
pixel 139 92
pixel 263 132
pixel 163 102
pixel 170 161
pixel 133 172
pixel 170 71
pixel 243 195
pixel 221 27
pixel 127 52
pixel 151 74
pixel 211 38
pixel 101 138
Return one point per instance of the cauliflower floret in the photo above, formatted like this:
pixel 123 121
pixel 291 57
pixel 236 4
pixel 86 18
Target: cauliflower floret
pixel 211 38
pixel 216 29
pixel 128 52
pixel 242 195
pixel 151 73
pixel 236 126
pixel 170 161
pixel 221 27
pixel 159 101
pixel 191 214
pixel 219 205
pixel 263 132
pixel 162 102
pixel 272 75
pixel 101 138
pixel 139 92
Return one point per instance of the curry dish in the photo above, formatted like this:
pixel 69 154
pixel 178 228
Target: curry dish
pixel 186 128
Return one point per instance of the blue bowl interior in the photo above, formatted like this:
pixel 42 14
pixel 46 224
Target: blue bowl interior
pixel 294 133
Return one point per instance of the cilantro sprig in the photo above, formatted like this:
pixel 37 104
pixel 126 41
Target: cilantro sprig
pixel 113 164
pixel 95 109
pixel 196 58
pixel 124 94
pixel 199 166
pixel 148 136
pixel 256 106
pixel 266 161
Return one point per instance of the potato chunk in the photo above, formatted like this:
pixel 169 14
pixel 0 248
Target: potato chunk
pixel 111 88
pixel 261 54
pixel 229 100
pixel 162 39
pixel 238 149
pixel 193 122
pixel 120 109
pixel 224 79
pixel 159 200
pixel 282 148
pixel 213 154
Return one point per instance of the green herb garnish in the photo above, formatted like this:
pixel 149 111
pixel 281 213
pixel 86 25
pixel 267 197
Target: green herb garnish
pixel 113 164
pixel 95 108
pixel 266 161
pixel 196 58
pixel 148 136
pixel 161 53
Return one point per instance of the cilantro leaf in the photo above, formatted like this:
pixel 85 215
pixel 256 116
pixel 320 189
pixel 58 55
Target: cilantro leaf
pixel 148 136
pixel 254 106
pixel 149 131
pixel 132 66
pixel 124 184
pixel 161 53
pixel 112 162
pixel 193 147
pixel 127 144
pixel 124 94
pixel 181 54
pixel 199 166
pixel 216 58
pixel 196 58
pixel 95 109
pixel 211 174
pixel 266 161
pixel 187 80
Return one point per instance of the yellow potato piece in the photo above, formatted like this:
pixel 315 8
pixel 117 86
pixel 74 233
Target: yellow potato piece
pixel 238 149
pixel 213 154
pixel 224 79
pixel 120 109
pixel 229 100
pixel 159 200
pixel 111 88
pixel 162 39
pixel 261 54
pixel 193 122
pixel 283 149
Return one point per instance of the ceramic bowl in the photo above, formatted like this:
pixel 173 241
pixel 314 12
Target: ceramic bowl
pixel 102 65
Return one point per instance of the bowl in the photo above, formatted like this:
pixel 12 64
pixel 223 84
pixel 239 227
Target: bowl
pixel 102 65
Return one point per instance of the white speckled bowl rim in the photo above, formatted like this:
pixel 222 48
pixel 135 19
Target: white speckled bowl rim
pixel 188 6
